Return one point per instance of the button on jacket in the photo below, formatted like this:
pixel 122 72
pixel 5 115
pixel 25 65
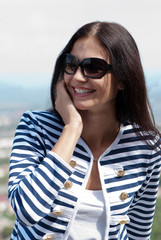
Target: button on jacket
pixel 44 190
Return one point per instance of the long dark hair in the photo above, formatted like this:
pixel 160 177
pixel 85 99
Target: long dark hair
pixel 132 104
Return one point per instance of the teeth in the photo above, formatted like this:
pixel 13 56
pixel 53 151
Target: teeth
pixel 81 91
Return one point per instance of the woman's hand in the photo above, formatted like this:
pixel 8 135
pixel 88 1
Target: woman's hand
pixel 65 107
pixel 72 130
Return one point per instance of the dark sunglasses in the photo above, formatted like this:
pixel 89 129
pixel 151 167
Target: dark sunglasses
pixel 90 67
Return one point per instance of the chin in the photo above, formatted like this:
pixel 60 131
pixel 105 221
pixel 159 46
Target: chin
pixel 83 105
pixel 81 108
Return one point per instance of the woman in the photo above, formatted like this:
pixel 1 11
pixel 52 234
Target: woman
pixel 90 168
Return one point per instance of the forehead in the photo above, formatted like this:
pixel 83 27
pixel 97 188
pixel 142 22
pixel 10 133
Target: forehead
pixel 89 47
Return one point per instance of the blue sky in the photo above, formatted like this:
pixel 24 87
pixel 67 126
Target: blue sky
pixel 33 32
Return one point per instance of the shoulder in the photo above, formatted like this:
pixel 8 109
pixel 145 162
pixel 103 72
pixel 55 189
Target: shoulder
pixel 42 118
pixel 146 140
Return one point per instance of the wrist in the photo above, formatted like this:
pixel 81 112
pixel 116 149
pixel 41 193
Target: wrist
pixel 66 143
pixel 74 126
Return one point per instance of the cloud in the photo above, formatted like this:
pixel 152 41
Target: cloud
pixel 34 32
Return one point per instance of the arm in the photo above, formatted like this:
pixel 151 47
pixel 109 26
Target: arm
pixel 142 210
pixel 35 176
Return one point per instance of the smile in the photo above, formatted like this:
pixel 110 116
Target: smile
pixel 83 91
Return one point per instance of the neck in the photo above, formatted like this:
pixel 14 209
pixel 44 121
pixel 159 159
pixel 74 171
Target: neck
pixel 99 130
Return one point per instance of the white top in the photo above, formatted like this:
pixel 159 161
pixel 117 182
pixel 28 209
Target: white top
pixel 90 220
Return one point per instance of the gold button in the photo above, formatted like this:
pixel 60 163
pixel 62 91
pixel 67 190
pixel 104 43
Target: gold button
pixel 120 173
pixel 124 195
pixel 73 163
pixel 57 211
pixel 68 184
pixel 48 237
pixel 123 222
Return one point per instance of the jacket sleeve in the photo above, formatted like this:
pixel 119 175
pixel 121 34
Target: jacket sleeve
pixel 142 210
pixel 36 174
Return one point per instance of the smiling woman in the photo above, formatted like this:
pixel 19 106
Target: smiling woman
pixel 92 87
pixel 90 167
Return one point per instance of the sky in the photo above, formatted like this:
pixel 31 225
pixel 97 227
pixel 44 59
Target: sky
pixel 33 32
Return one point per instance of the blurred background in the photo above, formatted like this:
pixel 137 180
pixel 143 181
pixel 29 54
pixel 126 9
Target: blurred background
pixel 32 33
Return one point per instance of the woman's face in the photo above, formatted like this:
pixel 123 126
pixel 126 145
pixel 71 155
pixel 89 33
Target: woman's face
pixel 88 93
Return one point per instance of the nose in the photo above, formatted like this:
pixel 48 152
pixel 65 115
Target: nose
pixel 79 76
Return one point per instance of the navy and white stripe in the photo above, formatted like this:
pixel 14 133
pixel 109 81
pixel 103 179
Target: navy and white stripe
pixel 37 177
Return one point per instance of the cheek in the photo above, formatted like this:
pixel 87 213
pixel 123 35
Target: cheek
pixel 104 88
pixel 108 90
pixel 67 78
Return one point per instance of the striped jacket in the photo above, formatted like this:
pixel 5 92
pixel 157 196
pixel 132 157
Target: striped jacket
pixel 44 190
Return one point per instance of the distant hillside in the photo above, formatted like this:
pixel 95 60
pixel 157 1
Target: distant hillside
pixel 14 96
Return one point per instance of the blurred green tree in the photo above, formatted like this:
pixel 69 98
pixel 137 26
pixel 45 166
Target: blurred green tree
pixel 156 230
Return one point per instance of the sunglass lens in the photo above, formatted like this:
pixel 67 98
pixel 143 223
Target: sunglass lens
pixel 94 67
pixel 70 65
